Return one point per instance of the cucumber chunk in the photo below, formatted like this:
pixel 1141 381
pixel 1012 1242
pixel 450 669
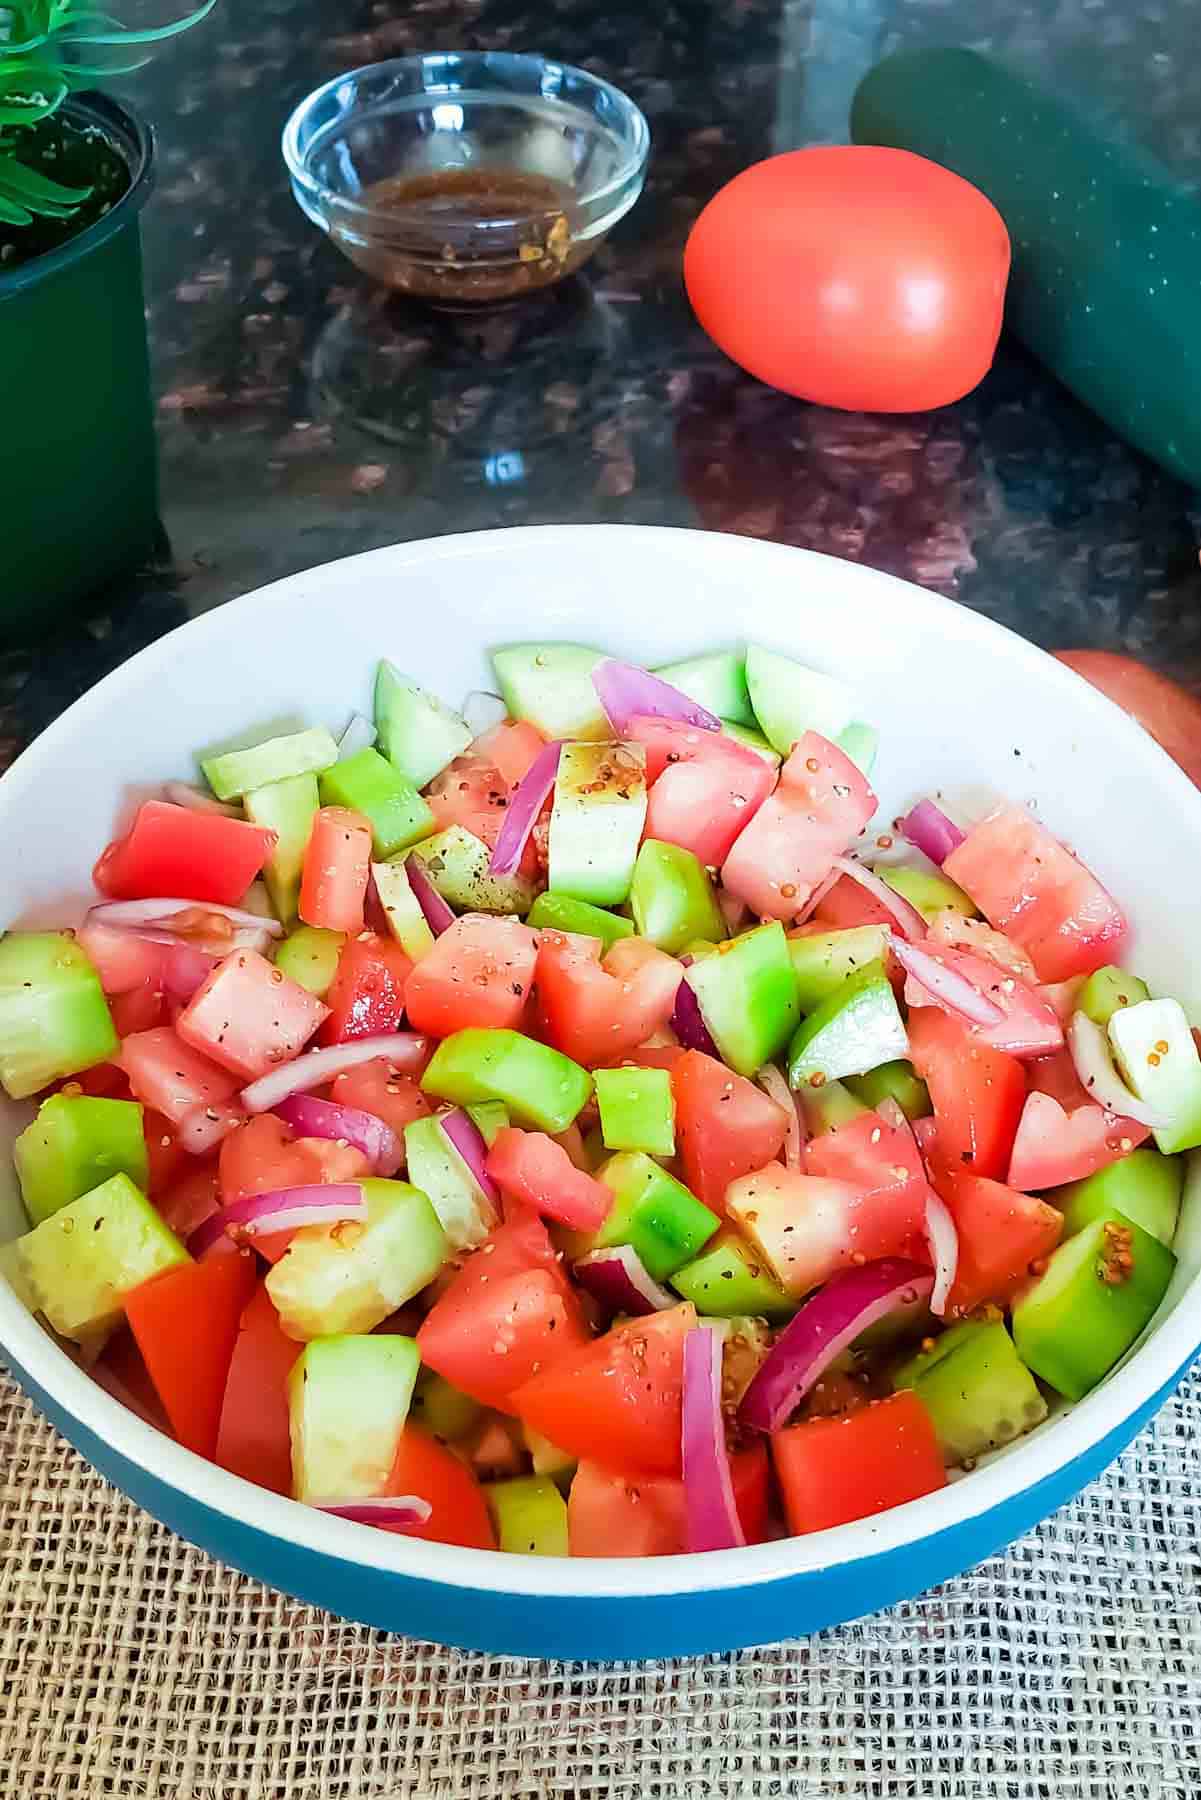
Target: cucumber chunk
pixel 716 682
pixel 927 890
pixel 654 1213
pixel 414 730
pixel 558 912
pixel 551 686
pixel 747 993
pixel 456 862
pixel 434 1165
pixel 1109 989
pixel 348 1399
pixel 74 1145
pixel 1144 1186
pixel 1153 1047
pixel 596 821
pixel 530 1515
pixel 823 960
pixel 288 808
pixel 369 784
pixel 82 1261
pixel 546 1457
pixel 443 1409
pixel 978 1392
pixel 309 955
pixel 540 1086
pixel 54 1018
pixel 893 1081
pixel 672 898
pixel 402 909
pixel 788 699
pixel 856 1029
pixel 728 1279
pixel 240 772
pixel 344 1279
pixel 829 1106
pixel 637 1111
pixel 860 742
pixel 751 739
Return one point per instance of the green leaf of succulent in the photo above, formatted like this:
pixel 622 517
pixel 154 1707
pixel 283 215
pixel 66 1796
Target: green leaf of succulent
pixel 12 214
pixel 30 186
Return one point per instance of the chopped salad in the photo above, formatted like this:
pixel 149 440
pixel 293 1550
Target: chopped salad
pixel 588 1128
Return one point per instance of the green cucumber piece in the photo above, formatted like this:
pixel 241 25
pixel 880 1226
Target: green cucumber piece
pixel 1109 989
pixel 348 1399
pixel 1144 1186
pixel 402 909
pixel 288 808
pixel 559 912
pixel 489 1117
pixel 977 1391
pixel 728 1279
pixel 345 1279
pixel 1154 1049
pixel 828 1107
pixel 1106 254
pixel 856 1029
pixel 369 784
pixel 860 742
pixel 414 730
pixel 84 1260
pixel 74 1145
pixel 309 955
pixel 445 1411
pixel 240 772
pixel 927 890
pixel 551 686
pixel 672 898
pixel 751 739
pixel 54 1019
pixel 1072 1325
pixel 596 821
pixel 716 682
pixel 546 1457
pixel 530 1515
pixel 654 1213
pixel 637 1111
pixel 540 1086
pixel 788 699
pixel 893 1081
pixel 456 862
pixel 747 994
pixel 434 1165
pixel 823 960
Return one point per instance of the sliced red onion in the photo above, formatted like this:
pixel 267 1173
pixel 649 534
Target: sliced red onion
pixel 184 969
pixel 909 921
pixel 776 1088
pixel 1089 1047
pixel 827 1324
pixel 688 1023
pixel 313 1118
pixel 209 1235
pixel 943 1241
pixel 140 915
pixel 407 1050
pixel 617 1278
pixel 467 1139
pixel 360 734
pixel 438 914
pixel 947 985
pixel 628 693
pixel 929 830
pixel 482 711
pixel 205 1127
pixel 289 1209
pixel 378 1509
pixel 710 1514
pixel 194 799
pixel 521 815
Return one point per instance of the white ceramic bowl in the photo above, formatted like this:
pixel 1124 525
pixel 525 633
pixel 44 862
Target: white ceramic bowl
pixel 961 705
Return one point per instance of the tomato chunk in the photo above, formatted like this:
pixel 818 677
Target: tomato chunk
pixel 977 1093
pixel 123 960
pixel 1001 1233
pixel 186 1322
pixel 1029 886
pixel 619 1400
pixel 807 1226
pixel 479 972
pixel 248 1016
pixel 848 904
pixel 610 1514
pixel 883 1162
pixel 337 868
pixel 473 792
pixel 726 1127
pixel 1053 1146
pixel 831 1471
pixel 264 1156
pixel 459 1512
pixel 819 808
pixel 1029 1024
pixel 510 747
pixel 597 1010
pixel 704 787
pixel 378 1087
pixel 172 1077
pixel 533 1168
pixel 171 852
pixel 254 1436
pixel 190 1200
pixel 367 994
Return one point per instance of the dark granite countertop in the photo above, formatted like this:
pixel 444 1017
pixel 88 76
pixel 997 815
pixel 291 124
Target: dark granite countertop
pixel 303 416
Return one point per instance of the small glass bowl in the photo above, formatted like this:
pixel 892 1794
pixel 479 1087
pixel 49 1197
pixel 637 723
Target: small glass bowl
pixel 467 179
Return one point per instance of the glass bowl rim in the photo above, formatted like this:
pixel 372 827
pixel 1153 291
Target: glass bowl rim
pixel 328 198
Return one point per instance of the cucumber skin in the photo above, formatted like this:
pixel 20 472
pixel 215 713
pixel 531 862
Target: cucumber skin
pixel 1106 246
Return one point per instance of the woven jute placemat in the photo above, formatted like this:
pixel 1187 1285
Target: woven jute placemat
pixel 132 1665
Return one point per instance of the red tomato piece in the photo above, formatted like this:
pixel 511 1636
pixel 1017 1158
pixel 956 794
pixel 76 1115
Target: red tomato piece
pixel 186 1324
pixel 704 787
pixel 977 1093
pixel 459 1512
pixel 532 1168
pixel 367 994
pixel 1029 886
pixel 124 961
pixel 644 1515
pixel 479 972
pixel 254 1437
pixel 1001 1233
pixel 103 1081
pixel 378 1087
pixel 726 1127
pixel 249 1016
pixel 1169 712
pixel 164 1153
pixel 190 1200
pixel 848 904
pixel 831 1471
pixel 807 1226
pixel 337 869
pixel 1053 1146
pixel 472 792
pixel 510 747
pixel 618 1401
pixel 264 1156
pixel 1029 1025
pixel 884 1163
pixel 819 808
pixel 1056 1075
pixel 121 1371
pixel 597 1010
pixel 171 852
pixel 172 1077
pixel 139 1009
pixel 508 1312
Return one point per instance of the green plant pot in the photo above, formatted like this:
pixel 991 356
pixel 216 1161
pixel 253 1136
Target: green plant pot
pixel 78 473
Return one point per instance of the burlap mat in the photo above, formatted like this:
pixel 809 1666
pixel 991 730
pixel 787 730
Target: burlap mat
pixel 133 1665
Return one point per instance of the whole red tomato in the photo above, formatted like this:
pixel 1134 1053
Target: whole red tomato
pixel 1170 713
pixel 860 277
